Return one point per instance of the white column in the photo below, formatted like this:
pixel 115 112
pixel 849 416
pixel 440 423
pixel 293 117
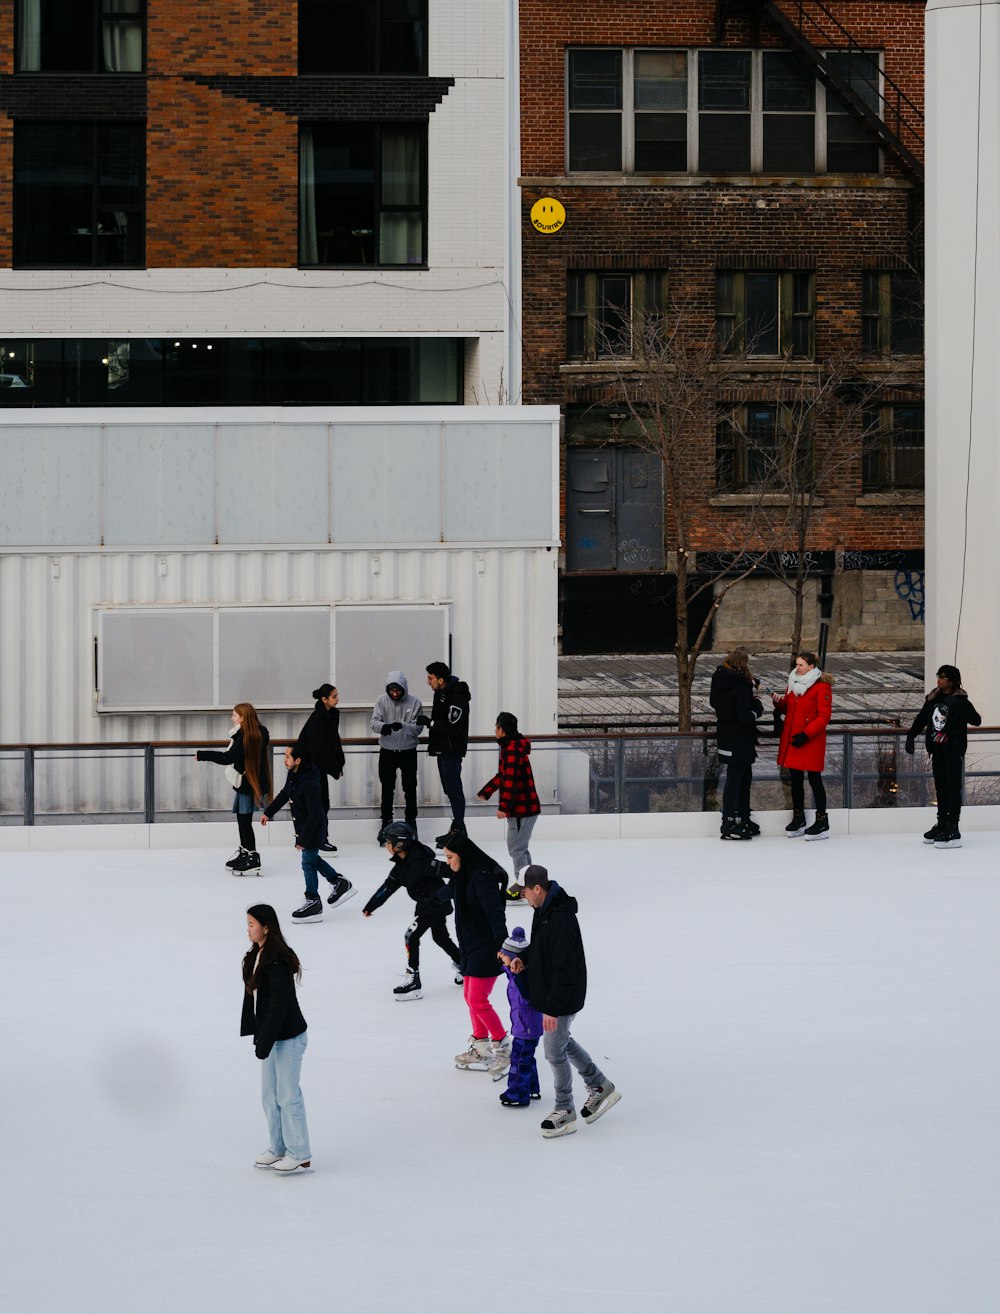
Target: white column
pixel 963 344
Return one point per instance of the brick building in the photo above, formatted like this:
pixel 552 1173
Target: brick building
pixel 250 204
pixel 752 173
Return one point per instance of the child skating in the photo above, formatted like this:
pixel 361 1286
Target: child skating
pixel 525 1027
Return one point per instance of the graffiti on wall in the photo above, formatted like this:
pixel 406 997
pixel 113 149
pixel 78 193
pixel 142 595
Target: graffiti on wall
pixel 909 586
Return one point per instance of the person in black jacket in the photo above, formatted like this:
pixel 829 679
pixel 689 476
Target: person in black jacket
pixel 415 868
pixel 552 975
pixel 738 709
pixel 321 737
pixel 248 769
pixel 302 791
pixel 476 885
pixel 272 1016
pixel 945 717
pixel 448 739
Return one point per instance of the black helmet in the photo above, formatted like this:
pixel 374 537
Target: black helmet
pixel 398 832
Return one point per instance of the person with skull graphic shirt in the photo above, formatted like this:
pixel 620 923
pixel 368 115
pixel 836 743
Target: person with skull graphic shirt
pixel 945 717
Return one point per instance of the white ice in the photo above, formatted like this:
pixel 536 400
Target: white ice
pixel 804 1035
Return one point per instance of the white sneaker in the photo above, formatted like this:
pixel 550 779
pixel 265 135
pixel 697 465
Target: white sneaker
pixel 286 1164
pixel 560 1122
pixel 266 1159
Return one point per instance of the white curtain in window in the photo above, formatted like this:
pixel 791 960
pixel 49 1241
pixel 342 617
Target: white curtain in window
pixel 122 38
pixel 29 36
pixel 308 242
pixel 401 234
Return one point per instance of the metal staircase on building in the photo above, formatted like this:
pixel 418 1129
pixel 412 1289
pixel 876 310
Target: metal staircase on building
pixel 809 26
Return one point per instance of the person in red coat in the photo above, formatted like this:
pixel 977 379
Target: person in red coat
pixel 518 801
pixel 805 705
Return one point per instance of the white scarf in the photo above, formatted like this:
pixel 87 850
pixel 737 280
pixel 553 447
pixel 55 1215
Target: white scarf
pixel 798 684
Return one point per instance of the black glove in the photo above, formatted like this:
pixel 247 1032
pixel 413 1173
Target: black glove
pixel 424 721
pixel 909 745
pixel 393 725
pixel 800 740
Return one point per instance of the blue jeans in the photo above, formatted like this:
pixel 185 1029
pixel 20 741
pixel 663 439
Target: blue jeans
pixel 561 1050
pixel 450 771
pixel 281 1097
pixel 313 863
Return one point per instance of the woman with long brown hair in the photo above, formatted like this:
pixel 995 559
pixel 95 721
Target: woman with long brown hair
pixel 738 709
pixel 272 1016
pixel 248 769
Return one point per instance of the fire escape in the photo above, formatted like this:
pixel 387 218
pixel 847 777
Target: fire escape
pixel 809 28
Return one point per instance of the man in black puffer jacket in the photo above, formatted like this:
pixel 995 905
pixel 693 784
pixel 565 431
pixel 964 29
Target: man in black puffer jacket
pixel 552 975
pixel 303 792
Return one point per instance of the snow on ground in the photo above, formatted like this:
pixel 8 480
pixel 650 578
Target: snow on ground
pixel 805 1037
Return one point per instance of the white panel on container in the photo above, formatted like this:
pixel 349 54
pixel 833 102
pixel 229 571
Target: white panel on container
pixel 499 483
pixel 159 485
pixel 50 490
pixel 274 484
pixel 386 483
pixel 273 656
pixel 155 659
pixel 369 642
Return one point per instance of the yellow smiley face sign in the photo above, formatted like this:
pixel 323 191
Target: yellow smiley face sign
pixel 548 215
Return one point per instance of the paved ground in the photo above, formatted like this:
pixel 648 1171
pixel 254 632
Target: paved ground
pixel 636 691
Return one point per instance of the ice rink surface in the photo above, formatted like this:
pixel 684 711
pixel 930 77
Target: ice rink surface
pixel 805 1037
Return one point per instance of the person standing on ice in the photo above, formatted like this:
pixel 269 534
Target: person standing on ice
pixel 805 705
pixel 248 769
pixel 321 738
pixel 448 739
pixel 734 700
pixel 417 870
pixel 945 716
pixel 272 1016
pixel 394 720
pixel 525 1027
pixel 551 973
pixel 302 791
pixel 518 801
pixel 476 882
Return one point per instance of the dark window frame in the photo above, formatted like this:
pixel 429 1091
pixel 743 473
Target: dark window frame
pixel 742 444
pixel 586 300
pixel 102 17
pixel 379 54
pixel 795 326
pixel 892 304
pixel 888 463
pixel 135 209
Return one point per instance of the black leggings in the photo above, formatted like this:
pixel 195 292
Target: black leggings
pixel 736 794
pixel 799 790
pixel 245 822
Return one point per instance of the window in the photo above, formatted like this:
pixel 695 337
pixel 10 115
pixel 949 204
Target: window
pixel 715 111
pixel 894 449
pixel 80 36
pixel 79 195
pixel 363 36
pixel 892 313
pixel 183 371
pixel 765 315
pixel 362 194
pixel 607 311
pixel 753 442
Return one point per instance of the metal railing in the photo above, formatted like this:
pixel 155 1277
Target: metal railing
pixel 651 771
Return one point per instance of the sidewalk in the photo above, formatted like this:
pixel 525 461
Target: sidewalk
pixel 639 691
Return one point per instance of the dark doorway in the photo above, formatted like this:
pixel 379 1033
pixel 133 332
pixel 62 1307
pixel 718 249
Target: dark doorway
pixel 624 613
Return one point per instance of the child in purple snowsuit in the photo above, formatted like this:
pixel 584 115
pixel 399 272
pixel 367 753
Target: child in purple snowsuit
pixel 525 1027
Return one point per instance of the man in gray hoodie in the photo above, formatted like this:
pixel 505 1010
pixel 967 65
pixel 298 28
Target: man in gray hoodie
pixel 394 720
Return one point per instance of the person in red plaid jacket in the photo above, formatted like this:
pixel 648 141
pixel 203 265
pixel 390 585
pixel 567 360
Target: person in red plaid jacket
pixel 518 801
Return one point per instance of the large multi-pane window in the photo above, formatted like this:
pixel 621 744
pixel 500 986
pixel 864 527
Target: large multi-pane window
pixel 80 36
pixel 607 312
pixel 79 194
pixel 715 111
pixel 894 449
pixel 362 194
pixel 892 313
pixel 755 444
pixel 766 314
pixel 182 371
pixel 363 36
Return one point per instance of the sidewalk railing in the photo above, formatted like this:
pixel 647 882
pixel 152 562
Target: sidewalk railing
pixel 575 774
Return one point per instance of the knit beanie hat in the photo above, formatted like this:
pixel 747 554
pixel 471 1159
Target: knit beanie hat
pixel 516 943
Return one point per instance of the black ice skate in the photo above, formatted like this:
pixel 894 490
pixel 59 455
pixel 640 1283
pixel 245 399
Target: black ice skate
pixel 341 890
pixel 820 829
pixel 411 990
pixel 950 838
pixel 247 864
pixel 797 826
pixel 310 911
